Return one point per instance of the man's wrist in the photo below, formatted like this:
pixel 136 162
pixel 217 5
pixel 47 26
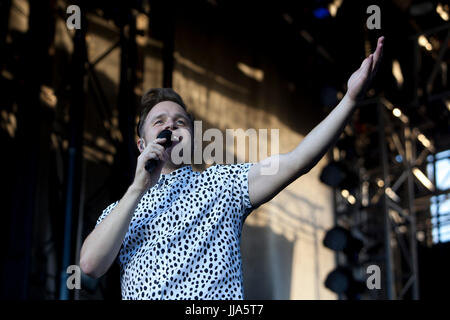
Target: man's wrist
pixel 135 191
pixel 349 101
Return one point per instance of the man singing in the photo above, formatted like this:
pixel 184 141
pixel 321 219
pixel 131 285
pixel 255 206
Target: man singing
pixel 176 231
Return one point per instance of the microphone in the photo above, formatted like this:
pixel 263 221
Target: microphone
pixel 152 163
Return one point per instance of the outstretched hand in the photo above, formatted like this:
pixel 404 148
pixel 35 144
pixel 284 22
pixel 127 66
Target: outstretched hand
pixel 361 78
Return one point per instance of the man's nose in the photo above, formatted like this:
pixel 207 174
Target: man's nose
pixel 170 125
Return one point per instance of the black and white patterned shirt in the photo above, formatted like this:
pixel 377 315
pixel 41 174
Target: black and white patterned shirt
pixel 183 241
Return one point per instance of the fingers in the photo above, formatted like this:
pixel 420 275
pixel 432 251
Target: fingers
pixel 366 66
pixel 373 61
pixel 378 54
pixel 155 150
pixel 159 140
pixel 157 155
pixel 153 154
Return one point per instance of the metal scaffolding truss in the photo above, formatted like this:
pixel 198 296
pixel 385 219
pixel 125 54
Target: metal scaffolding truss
pixel 399 211
pixel 427 88
pixel 386 210
pixel 432 89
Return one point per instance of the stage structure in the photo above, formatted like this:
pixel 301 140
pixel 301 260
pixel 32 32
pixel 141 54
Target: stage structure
pixel 381 185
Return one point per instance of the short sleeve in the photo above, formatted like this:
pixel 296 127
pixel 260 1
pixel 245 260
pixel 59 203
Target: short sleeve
pixel 106 212
pixel 238 174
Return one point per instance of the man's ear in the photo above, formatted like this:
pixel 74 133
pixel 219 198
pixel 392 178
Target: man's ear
pixel 141 144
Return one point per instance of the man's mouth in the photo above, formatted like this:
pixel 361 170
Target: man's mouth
pixel 175 141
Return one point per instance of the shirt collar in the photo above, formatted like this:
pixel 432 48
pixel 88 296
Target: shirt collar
pixel 176 174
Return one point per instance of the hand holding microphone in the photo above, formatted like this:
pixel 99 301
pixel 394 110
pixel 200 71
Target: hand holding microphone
pixel 151 161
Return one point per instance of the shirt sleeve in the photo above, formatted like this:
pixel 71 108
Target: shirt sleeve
pixel 238 174
pixel 106 212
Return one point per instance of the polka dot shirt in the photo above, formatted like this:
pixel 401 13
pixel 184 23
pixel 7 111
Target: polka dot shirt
pixel 183 241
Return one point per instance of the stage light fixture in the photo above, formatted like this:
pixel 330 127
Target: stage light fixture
pixel 341 239
pixel 337 175
pixel 344 278
pixel 332 174
pixel 339 280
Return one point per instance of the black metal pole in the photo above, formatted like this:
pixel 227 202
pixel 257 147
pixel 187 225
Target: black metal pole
pixel 409 163
pixel 125 160
pixel 73 178
pixel 390 288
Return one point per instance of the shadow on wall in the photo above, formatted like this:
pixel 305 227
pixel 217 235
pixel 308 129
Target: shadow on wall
pixel 260 282
pixel 270 248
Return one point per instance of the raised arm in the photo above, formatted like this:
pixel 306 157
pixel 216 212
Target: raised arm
pixel 102 245
pixel 313 147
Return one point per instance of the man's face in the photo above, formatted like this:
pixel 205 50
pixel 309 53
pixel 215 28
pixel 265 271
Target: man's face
pixel 167 115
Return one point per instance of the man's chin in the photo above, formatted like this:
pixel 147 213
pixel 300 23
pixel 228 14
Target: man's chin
pixel 171 166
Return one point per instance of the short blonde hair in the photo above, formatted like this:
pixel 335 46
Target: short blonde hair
pixel 154 96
